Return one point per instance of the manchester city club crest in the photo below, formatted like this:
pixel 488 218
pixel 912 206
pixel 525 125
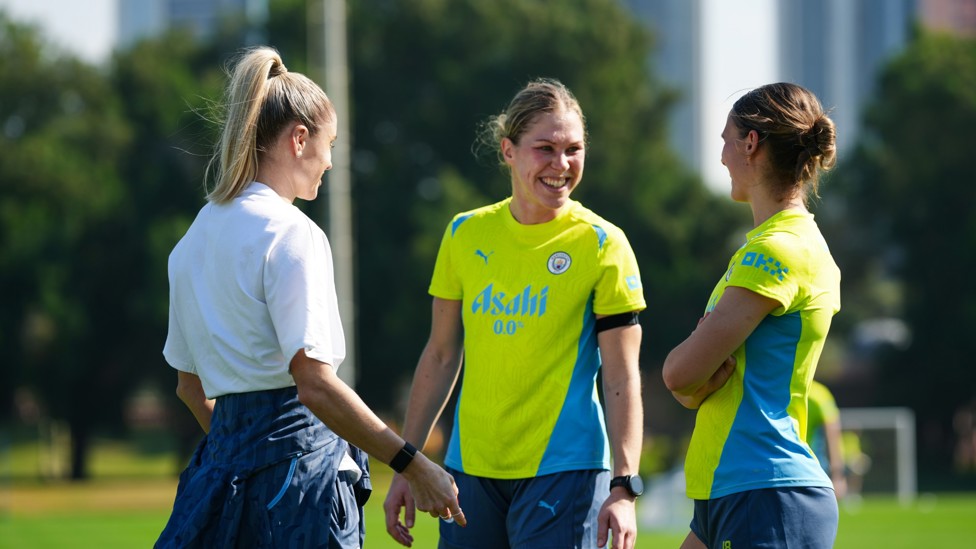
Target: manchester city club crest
pixel 559 263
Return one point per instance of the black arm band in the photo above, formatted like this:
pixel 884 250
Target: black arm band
pixel 403 457
pixel 616 321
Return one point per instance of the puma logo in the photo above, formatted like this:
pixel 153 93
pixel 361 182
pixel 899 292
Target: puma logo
pixel 552 508
pixel 483 255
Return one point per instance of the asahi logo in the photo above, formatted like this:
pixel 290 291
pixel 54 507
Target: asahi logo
pixel 524 303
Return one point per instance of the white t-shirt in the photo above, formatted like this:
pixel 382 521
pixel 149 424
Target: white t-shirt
pixel 251 283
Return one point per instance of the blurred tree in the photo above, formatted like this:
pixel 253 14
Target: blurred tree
pixel 426 73
pixel 101 172
pixel 62 138
pixel 288 31
pixel 906 199
pixel 170 91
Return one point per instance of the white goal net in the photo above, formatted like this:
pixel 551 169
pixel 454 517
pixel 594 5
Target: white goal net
pixel 879 449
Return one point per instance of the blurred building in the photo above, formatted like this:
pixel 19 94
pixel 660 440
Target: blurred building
pixel 836 48
pixel 709 51
pixel 677 28
pixel 203 18
pixel 953 16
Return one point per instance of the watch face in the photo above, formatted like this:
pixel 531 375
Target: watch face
pixel 633 484
pixel 636 485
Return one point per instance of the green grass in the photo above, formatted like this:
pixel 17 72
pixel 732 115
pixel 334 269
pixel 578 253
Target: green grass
pixel 106 530
pixel 128 503
pixel 94 514
pixel 943 521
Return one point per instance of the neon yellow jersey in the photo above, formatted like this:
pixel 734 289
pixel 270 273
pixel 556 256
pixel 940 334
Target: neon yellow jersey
pixel 750 433
pixel 821 410
pixel 528 403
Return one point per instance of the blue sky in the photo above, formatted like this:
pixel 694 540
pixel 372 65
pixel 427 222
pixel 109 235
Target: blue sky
pixel 86 27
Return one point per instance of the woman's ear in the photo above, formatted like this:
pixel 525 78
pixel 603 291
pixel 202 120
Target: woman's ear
pixel 299 138
pixel 752 142
pixel 508 149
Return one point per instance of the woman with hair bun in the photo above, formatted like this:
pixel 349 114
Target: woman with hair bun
pixel 749 364
pixel 255 337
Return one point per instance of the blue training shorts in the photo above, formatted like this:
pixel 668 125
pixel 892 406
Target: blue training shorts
pixel 771 518
pixel 266 476
pixel 551 511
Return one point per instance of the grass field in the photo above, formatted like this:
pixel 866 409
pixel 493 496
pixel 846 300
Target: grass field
pixel 129 514
pixel 129 503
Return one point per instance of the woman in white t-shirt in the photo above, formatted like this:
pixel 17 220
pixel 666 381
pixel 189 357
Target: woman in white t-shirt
pixel 255 337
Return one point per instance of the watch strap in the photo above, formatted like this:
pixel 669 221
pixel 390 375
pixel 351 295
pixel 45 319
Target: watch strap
pixel 626 481
pixel 403 457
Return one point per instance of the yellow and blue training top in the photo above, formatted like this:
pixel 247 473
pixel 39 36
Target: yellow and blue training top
pixel 528 403
pixel 750 433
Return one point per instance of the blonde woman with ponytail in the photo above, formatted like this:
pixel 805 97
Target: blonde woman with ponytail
pixel 256 338
pixel 748 366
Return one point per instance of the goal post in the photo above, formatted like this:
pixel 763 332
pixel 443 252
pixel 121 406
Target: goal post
pixel 901 455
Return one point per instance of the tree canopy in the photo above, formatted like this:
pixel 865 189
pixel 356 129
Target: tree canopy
pixel 63 137
pixel 425 74
pixel 906 197
pixel 101 171
pixel 94 181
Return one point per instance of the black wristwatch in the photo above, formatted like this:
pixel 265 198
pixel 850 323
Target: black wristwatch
pixel 633 484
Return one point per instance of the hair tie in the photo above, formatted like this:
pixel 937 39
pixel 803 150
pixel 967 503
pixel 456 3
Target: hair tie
pixel 277 69
pixel 809 143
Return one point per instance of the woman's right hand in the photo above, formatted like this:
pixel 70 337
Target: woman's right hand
pixel 423 485
pixel 399 497
pixel 714 383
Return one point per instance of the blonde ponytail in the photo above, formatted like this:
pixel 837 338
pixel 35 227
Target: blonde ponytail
pixel 262 98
